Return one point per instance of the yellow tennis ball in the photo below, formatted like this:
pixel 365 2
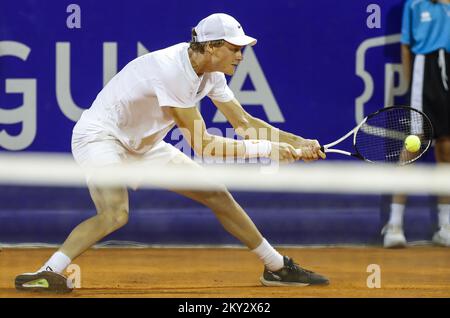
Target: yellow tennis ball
pixel 412 143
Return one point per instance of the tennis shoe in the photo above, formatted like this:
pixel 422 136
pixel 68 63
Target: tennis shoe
pixel 43 281
pixel 393 236
pixel 291 275
pixel 442 237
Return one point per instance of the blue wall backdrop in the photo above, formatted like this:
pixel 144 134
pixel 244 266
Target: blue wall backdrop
pixel 319 67
pixel 302 74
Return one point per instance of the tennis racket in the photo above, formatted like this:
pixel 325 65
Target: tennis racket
pixel 380 137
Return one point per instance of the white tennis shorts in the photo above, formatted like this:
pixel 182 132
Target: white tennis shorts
pixel 107 151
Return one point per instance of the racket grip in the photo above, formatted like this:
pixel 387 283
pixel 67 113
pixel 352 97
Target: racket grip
pixel 322 148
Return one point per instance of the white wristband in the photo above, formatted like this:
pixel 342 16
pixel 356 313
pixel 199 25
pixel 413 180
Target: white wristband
pixel 257 148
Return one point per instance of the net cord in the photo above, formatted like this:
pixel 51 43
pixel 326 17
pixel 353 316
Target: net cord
pixel 319 177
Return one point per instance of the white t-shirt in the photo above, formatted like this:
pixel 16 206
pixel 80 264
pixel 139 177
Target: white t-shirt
pixel 129 107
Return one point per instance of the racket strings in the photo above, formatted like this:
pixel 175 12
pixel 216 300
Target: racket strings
pixel 382 137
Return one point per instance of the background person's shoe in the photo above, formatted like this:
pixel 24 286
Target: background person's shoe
pixel 442 237
pixel 292 275
pixel 43 281
pixel 393 236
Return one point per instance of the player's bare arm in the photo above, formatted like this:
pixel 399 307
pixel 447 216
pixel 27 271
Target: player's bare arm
pixel 193 128
pixel 248 126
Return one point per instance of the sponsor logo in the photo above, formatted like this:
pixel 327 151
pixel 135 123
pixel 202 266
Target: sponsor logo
pixel 425 16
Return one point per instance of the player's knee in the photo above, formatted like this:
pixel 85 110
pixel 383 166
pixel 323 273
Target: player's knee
pixel 121 218
pixel 115 220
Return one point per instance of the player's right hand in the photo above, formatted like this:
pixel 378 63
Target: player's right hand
pixel 284 152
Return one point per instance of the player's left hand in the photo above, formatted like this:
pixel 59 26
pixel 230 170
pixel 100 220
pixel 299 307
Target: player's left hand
pixel 311 150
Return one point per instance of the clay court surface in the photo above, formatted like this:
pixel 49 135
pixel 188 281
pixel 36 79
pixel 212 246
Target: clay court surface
pixel 234 273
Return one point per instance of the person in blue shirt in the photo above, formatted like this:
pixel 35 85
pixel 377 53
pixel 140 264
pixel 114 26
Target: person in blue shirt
pixel 425 50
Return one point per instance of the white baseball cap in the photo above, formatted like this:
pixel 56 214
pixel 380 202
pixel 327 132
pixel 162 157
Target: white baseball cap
pixel 221 26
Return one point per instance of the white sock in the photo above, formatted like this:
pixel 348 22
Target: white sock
pixel 396 217
pixel 271 258
pixel 443 214
pixel 57 263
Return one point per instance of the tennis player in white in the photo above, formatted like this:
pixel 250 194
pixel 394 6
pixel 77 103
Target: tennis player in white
pixel 133 113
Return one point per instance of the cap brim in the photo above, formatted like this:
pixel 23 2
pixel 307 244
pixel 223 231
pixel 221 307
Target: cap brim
pixel 242 40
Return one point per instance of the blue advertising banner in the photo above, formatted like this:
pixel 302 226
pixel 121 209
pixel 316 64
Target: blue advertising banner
pixel 317 69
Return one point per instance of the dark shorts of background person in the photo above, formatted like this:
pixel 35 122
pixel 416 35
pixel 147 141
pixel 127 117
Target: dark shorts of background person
pixel 428 92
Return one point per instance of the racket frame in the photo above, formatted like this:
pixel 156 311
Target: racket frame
pixel 327 148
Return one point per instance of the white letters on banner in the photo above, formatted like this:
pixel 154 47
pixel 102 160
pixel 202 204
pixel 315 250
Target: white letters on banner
pixel 25 114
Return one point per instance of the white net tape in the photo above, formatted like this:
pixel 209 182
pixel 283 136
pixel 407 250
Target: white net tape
pixel 318 177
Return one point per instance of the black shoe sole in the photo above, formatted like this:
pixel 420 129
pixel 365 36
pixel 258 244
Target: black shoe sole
pixel 271 283
pixel 56 283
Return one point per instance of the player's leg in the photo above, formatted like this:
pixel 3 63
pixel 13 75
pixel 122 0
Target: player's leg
pixel 112 213
pixel 394 236
pixel 279 270
pixel 436 98
pixel 230 214
pixel 111 203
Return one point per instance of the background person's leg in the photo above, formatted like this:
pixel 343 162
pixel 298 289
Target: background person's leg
pixel 442 236
pixel 394 236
